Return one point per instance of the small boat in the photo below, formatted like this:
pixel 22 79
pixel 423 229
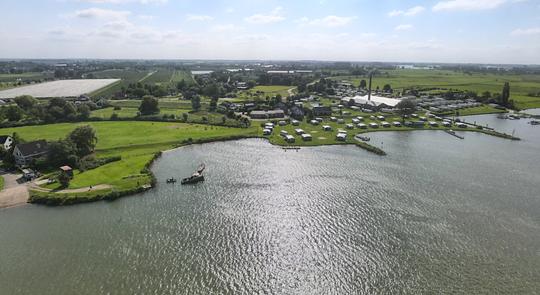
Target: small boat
pixel 171 180
pixel 534 122
pixel 195 177
pixel 364 138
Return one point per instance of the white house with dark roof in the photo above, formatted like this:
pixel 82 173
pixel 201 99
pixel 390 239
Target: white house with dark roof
pixel 24 153
pixel 6 142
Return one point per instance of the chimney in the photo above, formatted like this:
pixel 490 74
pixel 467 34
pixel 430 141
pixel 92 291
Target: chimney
pixel 369 91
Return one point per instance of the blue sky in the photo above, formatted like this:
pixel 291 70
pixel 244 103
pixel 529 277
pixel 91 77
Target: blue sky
pixel 483 31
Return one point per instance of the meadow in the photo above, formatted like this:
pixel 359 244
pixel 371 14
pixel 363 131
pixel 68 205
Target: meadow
pixel 136 142
pixel 270 91
pixel 520 85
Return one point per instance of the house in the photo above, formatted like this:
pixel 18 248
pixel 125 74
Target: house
pixel 242 86
pixel 322 111
pixel 6 142
pixel 67 170
pixel 25 153
pixel 267 114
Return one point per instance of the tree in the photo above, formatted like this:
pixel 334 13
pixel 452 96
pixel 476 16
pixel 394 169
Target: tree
pixel 13 113
pixel 149 106
pixel 62 152
pixel 64 179
pixel 363 84
pixel 387 88
pixel 213 104
pixel 185 117
pixel 181 85
pixel 505 96
pixel 25 102
pixel 84 138
pixel 196 103
pixel 405 107
pixel 84 111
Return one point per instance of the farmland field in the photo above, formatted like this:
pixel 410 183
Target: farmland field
pixel 126 77
pixel 520 85
pixel 60 88
pixel 23 76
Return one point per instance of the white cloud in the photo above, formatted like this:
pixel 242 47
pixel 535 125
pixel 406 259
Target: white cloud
pixel 229 10
pixel 404 27
pixel 526 32
pixel 330 21
pixel 276 15
pixel 101 13
pixel 453 5
pixel 409 12
pixel 197 17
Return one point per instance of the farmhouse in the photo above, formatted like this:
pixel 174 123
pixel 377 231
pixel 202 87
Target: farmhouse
pixel 267 114
pixel 5 142
pixel 26 152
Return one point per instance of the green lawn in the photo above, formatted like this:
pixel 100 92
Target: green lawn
pixel 270 91
pixel 136 142
pixel 520 85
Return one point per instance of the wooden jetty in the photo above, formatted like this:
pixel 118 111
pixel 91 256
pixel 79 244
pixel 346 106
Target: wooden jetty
pixel 453 133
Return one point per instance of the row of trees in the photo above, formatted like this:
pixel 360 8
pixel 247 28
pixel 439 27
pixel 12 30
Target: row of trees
pixel 55 110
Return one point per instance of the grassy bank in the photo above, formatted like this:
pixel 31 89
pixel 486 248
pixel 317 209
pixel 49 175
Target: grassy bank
pixel 136 142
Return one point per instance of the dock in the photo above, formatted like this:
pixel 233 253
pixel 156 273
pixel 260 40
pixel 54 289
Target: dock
pixel 453 133
pixel 296 148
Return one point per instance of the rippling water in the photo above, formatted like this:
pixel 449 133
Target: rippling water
pixel 437 215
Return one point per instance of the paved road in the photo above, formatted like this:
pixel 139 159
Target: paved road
pixel 13 194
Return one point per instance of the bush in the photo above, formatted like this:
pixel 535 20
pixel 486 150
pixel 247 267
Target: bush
pixel 117 108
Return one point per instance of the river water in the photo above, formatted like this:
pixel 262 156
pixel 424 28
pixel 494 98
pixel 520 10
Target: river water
pixel 437 215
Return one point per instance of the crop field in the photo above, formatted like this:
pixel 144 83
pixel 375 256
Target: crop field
pixel 167 77
pixel 23 76
pixel 60 88
pixel 126 77
pixel 520 85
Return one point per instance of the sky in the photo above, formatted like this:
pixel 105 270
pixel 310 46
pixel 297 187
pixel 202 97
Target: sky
pixel 454 31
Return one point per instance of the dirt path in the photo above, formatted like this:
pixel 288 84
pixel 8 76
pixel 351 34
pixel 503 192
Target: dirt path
pixel 13 194
pixel 76 190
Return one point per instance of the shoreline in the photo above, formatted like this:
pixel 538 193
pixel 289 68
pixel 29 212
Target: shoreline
pixel 53 199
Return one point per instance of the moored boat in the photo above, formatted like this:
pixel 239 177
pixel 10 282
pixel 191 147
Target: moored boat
pixel 195 177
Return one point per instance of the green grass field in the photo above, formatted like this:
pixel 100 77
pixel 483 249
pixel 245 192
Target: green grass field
pixel 520 85
pixel 125 139
pixel 22 76
pixel 267 91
